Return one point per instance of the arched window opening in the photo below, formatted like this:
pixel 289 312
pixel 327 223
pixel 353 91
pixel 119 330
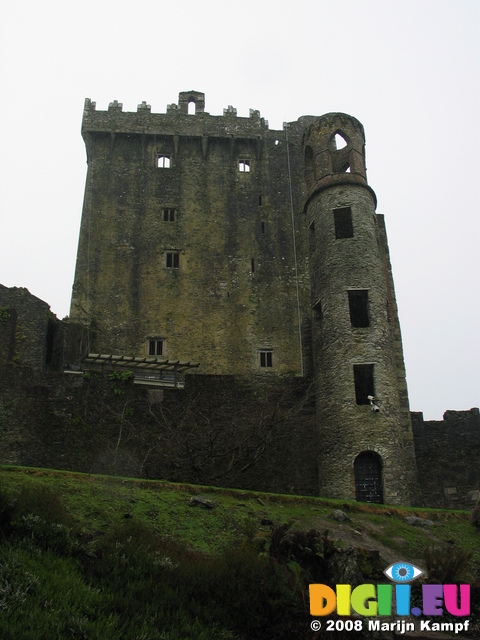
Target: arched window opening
pixel 342 165
pixel 164 161
pixel 340 141
pixel 192 108
pixel 340 153
pixel 368 477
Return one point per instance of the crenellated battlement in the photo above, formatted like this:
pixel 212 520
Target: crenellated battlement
pixel 189 115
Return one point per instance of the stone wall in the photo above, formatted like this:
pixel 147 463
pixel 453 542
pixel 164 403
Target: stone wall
pixel 219 430
pixel 448 458
pixel 8 323
pixel 30 334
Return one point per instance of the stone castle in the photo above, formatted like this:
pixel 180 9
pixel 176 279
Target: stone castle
pixel 216 254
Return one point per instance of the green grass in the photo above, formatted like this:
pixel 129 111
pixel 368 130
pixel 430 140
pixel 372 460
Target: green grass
pixel 45 596
pixel 105 557
pixel 98 502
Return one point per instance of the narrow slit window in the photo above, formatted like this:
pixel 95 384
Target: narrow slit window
pixel 169 215
pixel 317 307
pixel 155 347
pixel 262 228
pixel 364 384
pixel 343 223
pixel 266 360
pixel 244 165
pixel 51 334
pixel 164 161
pixel 253 265
pixel 358 305
pixel 311 238
pixel 173 260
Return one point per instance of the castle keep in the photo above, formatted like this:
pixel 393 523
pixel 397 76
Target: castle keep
pixel 186 246
pixel 233 320
pixel 255 253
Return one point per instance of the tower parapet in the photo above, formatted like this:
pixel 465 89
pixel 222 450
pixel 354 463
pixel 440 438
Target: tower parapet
pixel 334 151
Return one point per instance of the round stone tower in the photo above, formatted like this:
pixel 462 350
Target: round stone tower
pixel 362 404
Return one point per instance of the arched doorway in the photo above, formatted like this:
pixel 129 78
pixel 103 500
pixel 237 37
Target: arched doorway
pixel 368 477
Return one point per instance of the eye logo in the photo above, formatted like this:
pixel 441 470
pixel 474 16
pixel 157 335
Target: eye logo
pixel 402 572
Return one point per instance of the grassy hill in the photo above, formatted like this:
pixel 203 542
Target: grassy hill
pixel 86 556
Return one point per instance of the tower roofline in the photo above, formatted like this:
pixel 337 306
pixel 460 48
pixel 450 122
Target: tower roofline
pixel 337 117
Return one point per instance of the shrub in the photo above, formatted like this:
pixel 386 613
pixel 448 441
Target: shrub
pixel 305 550
pixel 45 502
pixel 446 565
pixel 253 595
pixel 38 517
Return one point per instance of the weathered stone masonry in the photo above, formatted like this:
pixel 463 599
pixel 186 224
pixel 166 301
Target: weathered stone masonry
pixel 448 458
pixel 256 255
pixel 266 438
pixel 216 283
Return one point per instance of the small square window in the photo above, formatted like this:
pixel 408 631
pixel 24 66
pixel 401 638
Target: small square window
pixel 169 215
pixel 164 161
pixel 244 165
pixel 156 347
pixel 173 260
pixel 343 223
pixel 266 358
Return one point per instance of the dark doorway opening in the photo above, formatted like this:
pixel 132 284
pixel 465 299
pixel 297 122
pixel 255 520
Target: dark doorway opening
pixel 368 477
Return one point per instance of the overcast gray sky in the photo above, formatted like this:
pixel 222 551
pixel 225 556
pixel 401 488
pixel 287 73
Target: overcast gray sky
pixel 408 70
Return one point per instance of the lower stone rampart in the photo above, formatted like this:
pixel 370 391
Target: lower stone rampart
pixel 219 430
pixel 448 458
